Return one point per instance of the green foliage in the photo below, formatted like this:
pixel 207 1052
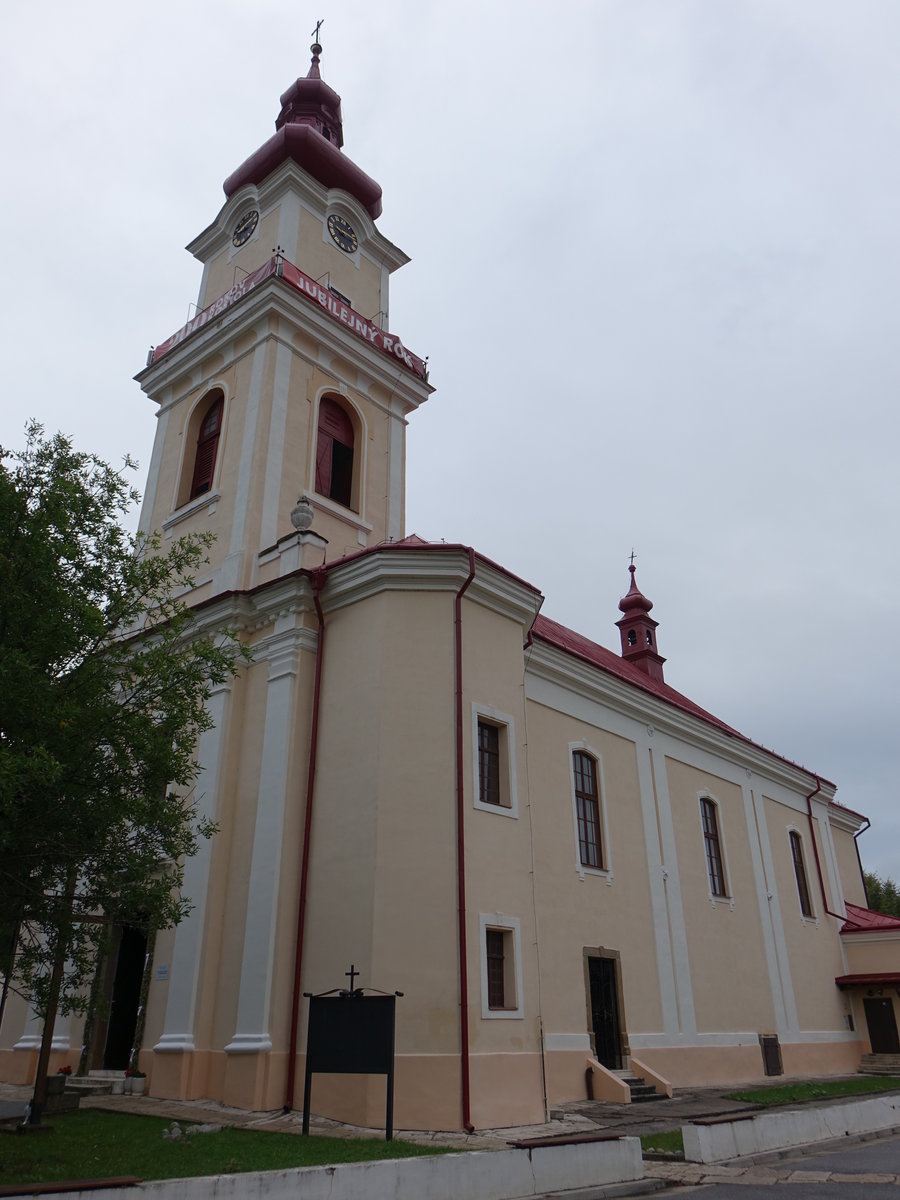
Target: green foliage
pixel 103 688
pixel 883 894
pixel 789 1093
pixel 90 1144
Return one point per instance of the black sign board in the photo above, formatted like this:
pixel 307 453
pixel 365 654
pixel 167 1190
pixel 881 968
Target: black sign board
pixel 351 1034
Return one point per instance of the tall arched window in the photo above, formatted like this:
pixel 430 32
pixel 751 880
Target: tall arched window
pixel 713 846
pixel 800 873
pixel 587 805
pixel 207 448
pixel 334 453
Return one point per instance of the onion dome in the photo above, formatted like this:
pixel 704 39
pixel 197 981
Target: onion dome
pixel 634 600
pixel 638 631
pixel 309 130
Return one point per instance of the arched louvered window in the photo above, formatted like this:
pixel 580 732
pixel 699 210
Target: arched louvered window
pixel 334 453
pixel 207 448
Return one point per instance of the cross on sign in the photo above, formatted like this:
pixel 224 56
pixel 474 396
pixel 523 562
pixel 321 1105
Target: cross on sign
pixel 353 971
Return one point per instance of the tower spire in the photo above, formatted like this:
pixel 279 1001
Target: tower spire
pixel 638 630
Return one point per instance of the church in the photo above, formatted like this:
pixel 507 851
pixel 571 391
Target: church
pixel 571 871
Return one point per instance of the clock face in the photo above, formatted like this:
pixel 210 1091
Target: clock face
pixel 343 234
pixel 243 231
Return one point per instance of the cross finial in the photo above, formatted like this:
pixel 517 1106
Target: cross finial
pixel 315 32
pixel 353 971
pixel 632 556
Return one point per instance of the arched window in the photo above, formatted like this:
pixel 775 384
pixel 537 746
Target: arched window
pixel 207 448
pixel 587 806
pixel 714 866
pixel 800 873
pixel 334 453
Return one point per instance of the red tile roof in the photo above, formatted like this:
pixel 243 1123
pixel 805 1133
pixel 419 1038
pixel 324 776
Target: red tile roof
pixel 598 656
pixel 866 920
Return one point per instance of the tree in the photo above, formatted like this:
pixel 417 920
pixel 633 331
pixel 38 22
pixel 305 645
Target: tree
pixel 103 686
pixel 882 894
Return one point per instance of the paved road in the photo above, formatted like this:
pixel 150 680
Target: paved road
pixel 864 1171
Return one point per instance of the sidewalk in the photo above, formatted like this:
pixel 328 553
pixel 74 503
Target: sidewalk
pixel 576 1119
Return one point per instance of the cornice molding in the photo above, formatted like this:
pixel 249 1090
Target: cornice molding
pixel 273 297
pixel 554 665
pixel 429 570
pixel 289 177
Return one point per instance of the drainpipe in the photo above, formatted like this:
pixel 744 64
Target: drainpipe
pixel 317 579
pixel 862 873
pixel 461 862
pixel 812 838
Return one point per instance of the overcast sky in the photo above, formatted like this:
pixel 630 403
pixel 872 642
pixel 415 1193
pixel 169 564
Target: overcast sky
pixel 655 263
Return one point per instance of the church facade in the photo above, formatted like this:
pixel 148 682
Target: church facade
pixel 564 865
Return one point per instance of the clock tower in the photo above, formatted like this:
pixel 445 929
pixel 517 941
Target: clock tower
pixel 282 410
pixel 286 382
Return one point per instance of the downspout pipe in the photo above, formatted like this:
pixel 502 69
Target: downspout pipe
pixel 461 859
pixel 812 838
pixel 862 873
pixel 317 580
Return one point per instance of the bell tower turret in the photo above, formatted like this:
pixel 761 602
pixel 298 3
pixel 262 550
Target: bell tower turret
pixel 286 381
pixel 638 631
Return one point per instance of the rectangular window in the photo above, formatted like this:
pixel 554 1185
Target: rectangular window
pixel 501 966
pixel 800 874
pixel 495 959
pixel 493 761
pixel 713 848
pixel 488 763
pixel 587 804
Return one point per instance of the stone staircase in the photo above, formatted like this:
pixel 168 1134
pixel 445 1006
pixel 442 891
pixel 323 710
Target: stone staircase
pixel 641 1091
pixel 97 1083
pixel 880 1064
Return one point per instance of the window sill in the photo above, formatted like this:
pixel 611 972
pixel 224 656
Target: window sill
pixel 208 501
pixel 718 901
pixel 339 511
pixel 604 873
pixel 494 1014
pixel 500 810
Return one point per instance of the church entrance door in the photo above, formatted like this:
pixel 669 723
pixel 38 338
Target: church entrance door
pixel 125 999
pixel 604 1009
pixel 882 1026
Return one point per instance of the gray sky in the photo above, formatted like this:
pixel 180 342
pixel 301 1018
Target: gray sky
pixel 656 255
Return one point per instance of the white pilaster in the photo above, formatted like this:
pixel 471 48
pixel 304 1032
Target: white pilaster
pixel 283 652
pixel 778 960
pixel 162 423
pixel 687 1021
pixel 275 454
pixel 656 874
pixel 181 1005
pixel 229 574
pixel 396 519
pixel 289 225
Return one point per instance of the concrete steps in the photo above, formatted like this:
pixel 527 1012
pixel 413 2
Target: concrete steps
pixel 880 1064
pixel 641 1091
pixel 98 1083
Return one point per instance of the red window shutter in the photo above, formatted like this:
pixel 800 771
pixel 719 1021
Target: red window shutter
pixel 207 446
pixel 334 452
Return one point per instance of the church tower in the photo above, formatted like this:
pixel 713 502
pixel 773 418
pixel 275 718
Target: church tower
pixel 286 382
pixel 282 415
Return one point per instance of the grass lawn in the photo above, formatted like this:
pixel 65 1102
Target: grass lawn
pixel 669 1140
pixel 821 1089
pixel 94 1144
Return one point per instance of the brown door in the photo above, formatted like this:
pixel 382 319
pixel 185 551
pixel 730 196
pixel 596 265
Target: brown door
pixel 882 1025
pixel 605 1012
